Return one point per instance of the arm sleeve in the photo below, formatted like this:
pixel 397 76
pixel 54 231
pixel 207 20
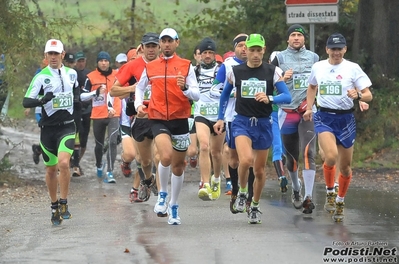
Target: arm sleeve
pixel 224 99
pixel 31 98
pixel 192 92
pixel 140 88
pixel 284 95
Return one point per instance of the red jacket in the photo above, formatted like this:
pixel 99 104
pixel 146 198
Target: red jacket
pixel 167 100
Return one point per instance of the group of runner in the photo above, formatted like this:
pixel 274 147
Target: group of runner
pixel 222 113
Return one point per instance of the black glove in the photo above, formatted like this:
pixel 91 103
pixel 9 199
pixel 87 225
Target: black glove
pixel 98 91
pixel 130 109
pixel 47 98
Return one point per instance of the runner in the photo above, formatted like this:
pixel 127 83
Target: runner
pixel 218 84
pixel 338 83
pixel 141 129
pixel 297 134
pixel 85 124
pixel 278 154
pixel 173 85
pixel 105 113
pixel 59 86
pixel 251 128
pixel 205 116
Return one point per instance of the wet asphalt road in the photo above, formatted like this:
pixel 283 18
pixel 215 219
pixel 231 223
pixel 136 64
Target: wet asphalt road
pixel 107 228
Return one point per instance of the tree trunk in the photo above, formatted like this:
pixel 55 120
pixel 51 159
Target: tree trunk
pixel 132 20
pixel 376 36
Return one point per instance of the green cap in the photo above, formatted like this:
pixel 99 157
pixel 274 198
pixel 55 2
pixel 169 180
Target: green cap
pixel 255 40
pixel 80 55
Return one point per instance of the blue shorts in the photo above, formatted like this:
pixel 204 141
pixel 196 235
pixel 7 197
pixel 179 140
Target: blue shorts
pixel 343 126
pixel 229 136
pixel 259 130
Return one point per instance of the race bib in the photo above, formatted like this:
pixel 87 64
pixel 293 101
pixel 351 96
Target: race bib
pixel 209 109
pixel 251 87
pixel 62 100
pixel 300 81
pixel 330 88
pixel 181 142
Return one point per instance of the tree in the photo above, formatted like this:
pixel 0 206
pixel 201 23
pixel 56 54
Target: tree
pixel 376 36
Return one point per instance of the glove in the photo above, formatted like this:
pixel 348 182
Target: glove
pixel 98 91
pixel 130 109
pixel 47 98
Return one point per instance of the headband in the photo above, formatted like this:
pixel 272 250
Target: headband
pixel 238 40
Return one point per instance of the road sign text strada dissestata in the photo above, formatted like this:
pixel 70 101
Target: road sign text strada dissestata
pixel 311 2
pixel 312 14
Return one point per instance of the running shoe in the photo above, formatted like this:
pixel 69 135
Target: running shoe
pixel 109 178
pixel 56 218
pixel 229 188
pixel 65 214
pixel 154 187
pixel 241 202
pixel 134 196
pixel 161 206
pixel 36 153
pixel 215 187
pixel 308 205
pixel 283 184
pixel 330 206
pixel 338 215
pixel 233 199
pixel 100 172
pixel 296 197
pixel 174 218
pixel 126 170
pixel 76 172
pixel 205 193
pixel 201 185
pixel 145 188
pixel 254 215
pixel 193 162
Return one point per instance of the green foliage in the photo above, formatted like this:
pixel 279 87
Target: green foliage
pixel 5 164
pixel 23 34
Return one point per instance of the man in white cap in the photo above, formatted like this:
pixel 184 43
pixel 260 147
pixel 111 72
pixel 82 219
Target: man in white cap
pixel 173 85
pixel 120 59
pixel 56 90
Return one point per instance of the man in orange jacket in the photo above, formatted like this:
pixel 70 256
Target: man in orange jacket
pixel 173 85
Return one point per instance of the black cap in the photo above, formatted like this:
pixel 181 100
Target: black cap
pixel 296 28
pixel 150 38
pixel 336 40
pixel 69 57
pixel 207 44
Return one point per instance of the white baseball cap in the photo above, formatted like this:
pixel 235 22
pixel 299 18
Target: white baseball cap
pixel 170 32
pixel 54 45
pixel 121 57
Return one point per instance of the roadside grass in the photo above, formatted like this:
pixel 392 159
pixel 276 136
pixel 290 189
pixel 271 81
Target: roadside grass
pixel 93 17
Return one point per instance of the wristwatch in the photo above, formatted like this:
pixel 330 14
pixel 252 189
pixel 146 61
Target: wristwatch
pixel 359 95
pixel 185 88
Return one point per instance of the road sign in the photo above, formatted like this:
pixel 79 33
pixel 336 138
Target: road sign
pixel 310 2
pixel 312 14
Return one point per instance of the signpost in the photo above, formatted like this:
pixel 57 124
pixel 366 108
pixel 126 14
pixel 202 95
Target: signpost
pixel 311 12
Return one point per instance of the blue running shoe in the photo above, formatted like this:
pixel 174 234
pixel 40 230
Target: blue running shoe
pixel 100 173
pixel 109 178
pixel 229 188
pixel 283 184
pixel 174 218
